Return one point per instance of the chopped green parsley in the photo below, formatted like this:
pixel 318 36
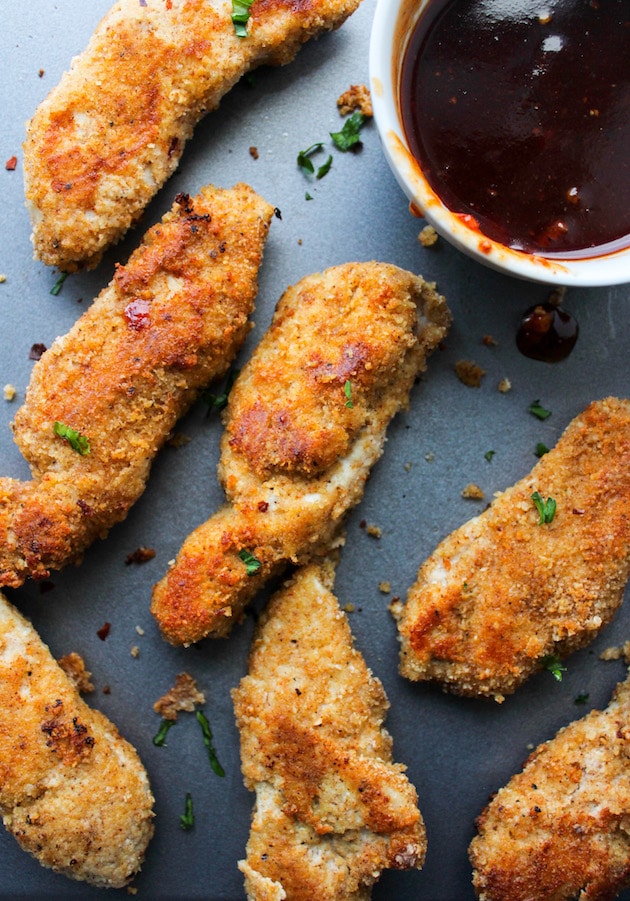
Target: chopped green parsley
pixel 538 411
pixel 76 440
pixel 305 163
pixel 56 288
pixel 489 455
pixel 207 740
pixel 252 564
pixel 240 16
pixel 159 739
pixel 348 137
pixel 546 509
pixel 347 390
pixel 187 819
pixel 541 449
pixel 554 664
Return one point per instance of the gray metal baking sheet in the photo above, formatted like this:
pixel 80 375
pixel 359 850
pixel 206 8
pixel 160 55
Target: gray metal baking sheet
pixel 458 751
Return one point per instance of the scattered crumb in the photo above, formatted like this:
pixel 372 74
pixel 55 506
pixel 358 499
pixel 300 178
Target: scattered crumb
pixel 385 587
pixel 41 73
pixel 107 690
pixel 469 373
pixel 177 439
pixel 9 392
pixel 11 163
pixel 74 667
pixel 132 890
pixel 489 341
pixel 396 607
pixel 430 457
pixel 135 651
pixel 428 236
pixel 408 467
pixel 139 630
pixel 104 631
pixel 504 386
pixel 616 653
pixel 140 555
pixel 253 152
pixel 472 492
pixel 184 695
pixel 348 608
pixel 357 97
pixel 373 531
pixel 3 279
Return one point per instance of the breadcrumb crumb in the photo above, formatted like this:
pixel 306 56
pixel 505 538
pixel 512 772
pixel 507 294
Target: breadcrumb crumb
pixel 385 587
pixel 357 97
pixel 73 666
pixel 9 392
pixel 428 236
pixel 184 695
pixel 469 373
pixel 616 653
pixel 472 492
pixel 504 386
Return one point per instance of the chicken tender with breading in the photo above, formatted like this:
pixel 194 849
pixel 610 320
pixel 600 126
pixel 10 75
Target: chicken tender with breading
pixel 104 398
pixel 110 134
pixel 72 791
pixel 559 829
pixel 539 573
pixel 332 809
pixel 306 420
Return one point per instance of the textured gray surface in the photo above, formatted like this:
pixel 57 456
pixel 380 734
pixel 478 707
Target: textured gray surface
pixel 458 751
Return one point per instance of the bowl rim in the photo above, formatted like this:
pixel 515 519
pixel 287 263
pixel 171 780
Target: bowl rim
pixel 392 24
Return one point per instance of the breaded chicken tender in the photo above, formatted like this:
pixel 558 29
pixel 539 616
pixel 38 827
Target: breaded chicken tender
pixel 559 830
pixel 110 134
pixel 305 422
pixel 332 810
pixel 72 791
pixel 171 320
pixel 507 589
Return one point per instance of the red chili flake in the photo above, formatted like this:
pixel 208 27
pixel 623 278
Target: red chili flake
pixel 140 555
pixel 169 4
pixel 263 506
pixel 11 163
pixel 137 313
pixel 36 351
pixel 41 73
pixel 103 632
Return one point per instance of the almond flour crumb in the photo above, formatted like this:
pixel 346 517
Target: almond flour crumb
pixel 385 587
pixel 373 531
pixel 3 279
pixel 184 695
pixel 135 651
pixel 504 386
pixel 9 392
pixel 139 630
pixel 428 236
pixel 73 666
pixel 472 492
pixel 357 97
pixel 616 653
pixel 469 373
pixel 348 608
pixel 489 341
pixel 253 152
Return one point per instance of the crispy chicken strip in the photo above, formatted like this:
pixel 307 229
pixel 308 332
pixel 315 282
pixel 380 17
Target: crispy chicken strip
pixel 171 320
pixel 559 830
pixel 113 130
pixel 72 791
pixel 306 421
pixel 504 591
pixel 332 810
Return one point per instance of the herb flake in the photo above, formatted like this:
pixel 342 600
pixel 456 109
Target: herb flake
pixel 537 410
pixel 252 563
pixel 546 509
pixel 347 390
pixel 541 449
pixel 240 16
pixel 217 402
pixel 187 819
pixel 348 137
pixel 207 740
pixel 56 288
pixel 305 163
pixel 76 440
pixel 159 739
pixel 489 455
pixel 554 664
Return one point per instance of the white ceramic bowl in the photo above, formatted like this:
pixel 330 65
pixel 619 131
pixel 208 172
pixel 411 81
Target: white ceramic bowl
pixel 394 21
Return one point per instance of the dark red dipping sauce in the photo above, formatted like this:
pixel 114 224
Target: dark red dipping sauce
pixel 519 114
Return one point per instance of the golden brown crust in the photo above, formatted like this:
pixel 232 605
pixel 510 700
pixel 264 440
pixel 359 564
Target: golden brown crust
pixel 502 592
pixel 171 320
pixel 72 791
pixel 111 133
pixel 560 828
pixel 332 809
pixel 305 422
